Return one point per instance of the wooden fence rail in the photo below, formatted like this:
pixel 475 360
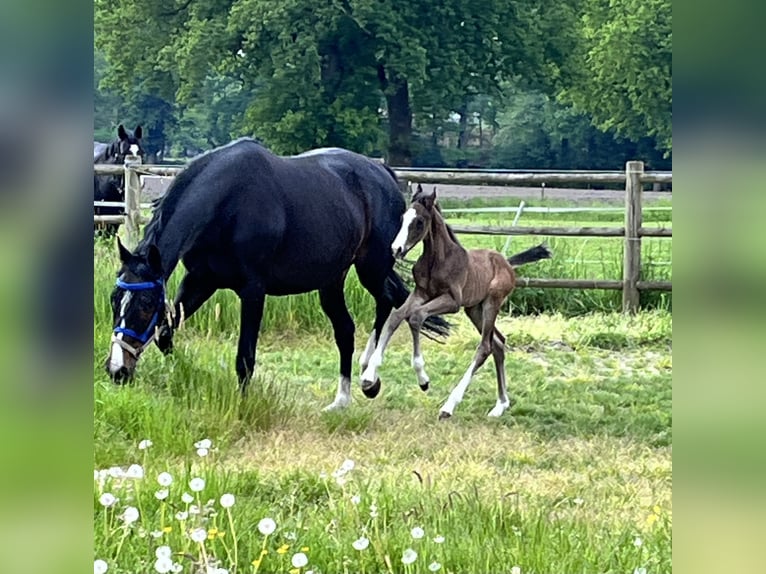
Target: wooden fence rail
pixel 634 177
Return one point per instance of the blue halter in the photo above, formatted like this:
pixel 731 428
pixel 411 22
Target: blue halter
pixel 144 286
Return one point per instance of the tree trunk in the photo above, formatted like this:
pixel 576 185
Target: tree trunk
pixel 462 138
pixel 397 92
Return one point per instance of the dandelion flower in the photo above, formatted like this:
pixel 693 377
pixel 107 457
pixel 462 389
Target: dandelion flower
pixel 409 556
pixel 202 452
pixel 267 526
pixel 165 479
pixel 167 529
pixel 299 560
pixel 182 515
pixel 156 533
pixel 194 509
pixel 294 571
pixel 161 494
pixel 304 549
pixel 356 499
pixel 130 515
pixel 163 552
pixel 639 571
pixel 434 566
pixel 187 498
pixel 516 570
pixel 373 511
pixel 578 501
pixel 134 471
pixel 116 472
pixel 198 535
pixel 163 565
pixel 205 443
pixel 417 533
pixel 227 500
pixel 107 499
pixel 99 567
pixel 638 542
pixel 197 484
pixel 361 543
pixel 283 549
pixel 177 567
pixel 144 444
pixel 439 539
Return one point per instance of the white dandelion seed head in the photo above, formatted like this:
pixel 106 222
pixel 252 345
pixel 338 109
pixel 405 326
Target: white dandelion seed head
pixel 356 499
pixel 116 472
pixel 163 565
pixel 197 484
pixel 182 515
pixel 417 533
pixel 299 560
pixel 165 479
pixel 340 480
pixel 516 570
pixel 163 552
pixel 639 571
pixel 187 498
pixel 161 494
pixel 177 567
pixel 198 535
pixel 205 443
pixel 439 539
pixel 267 526
pixel 144 444
pixel 135 471
pixel 638 542
pixel 194 509
pixel 156 533
pixel 100 566
pixel 202 451
pixel 578 501
pixel 227 500
pixel 107 499
pixel 434 566
pixel 409 556
pixel 361 543
pixel 130 515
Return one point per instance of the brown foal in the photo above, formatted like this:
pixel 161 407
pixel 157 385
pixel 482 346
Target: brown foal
pixel 448 277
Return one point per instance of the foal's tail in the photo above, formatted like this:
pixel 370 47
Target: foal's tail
pixel 531 255
pixel 396 292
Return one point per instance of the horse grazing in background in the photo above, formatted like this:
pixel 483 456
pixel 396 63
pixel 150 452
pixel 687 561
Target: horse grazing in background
pixel 112 187
pixel 448 277
pixel 242 218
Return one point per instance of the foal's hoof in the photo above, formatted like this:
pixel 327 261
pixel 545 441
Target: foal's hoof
pixel 444 415
pixel 424 386
pixel 371 389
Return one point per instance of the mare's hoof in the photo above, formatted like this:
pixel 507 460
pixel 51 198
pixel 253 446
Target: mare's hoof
pixel 371 389
pixel 424 386
pixel 444 415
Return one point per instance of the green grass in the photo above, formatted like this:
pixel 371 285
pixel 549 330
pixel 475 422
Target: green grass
pixel 566 481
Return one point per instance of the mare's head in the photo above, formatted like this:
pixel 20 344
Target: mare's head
pixel 416 222
pixel 127 143
pixel 138 303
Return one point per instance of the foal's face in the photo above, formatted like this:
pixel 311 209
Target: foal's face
pixel 416 222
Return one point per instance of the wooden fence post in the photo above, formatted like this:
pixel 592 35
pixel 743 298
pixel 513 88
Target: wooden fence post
pixel 631 268
pixel 132 201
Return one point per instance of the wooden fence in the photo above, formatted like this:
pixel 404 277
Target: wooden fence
pixel 634 177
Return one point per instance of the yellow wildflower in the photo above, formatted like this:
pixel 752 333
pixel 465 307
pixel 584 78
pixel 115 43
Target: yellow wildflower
pixel 305 549
pixel 295 571
pixel 213 531
pixel 264 552
pixel 167 529
pixel 283 549
pixel 257 562
pixel 656 509
pixel 221 534
pixel 651 519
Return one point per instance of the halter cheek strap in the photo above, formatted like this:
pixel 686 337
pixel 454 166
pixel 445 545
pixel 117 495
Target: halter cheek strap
pixel 148 335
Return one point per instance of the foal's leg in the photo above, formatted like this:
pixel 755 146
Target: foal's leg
pixel 418 362
pixel 489 314
pixel 333 304
pixel 194 290
pixel 251 312
pixel 498 354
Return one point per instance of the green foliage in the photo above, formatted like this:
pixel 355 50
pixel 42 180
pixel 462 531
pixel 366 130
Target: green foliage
pixel 625 81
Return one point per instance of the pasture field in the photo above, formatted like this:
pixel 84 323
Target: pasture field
pixel 575 477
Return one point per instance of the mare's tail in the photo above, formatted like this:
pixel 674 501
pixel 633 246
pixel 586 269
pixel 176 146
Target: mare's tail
pixel 395 291
pixel 531 255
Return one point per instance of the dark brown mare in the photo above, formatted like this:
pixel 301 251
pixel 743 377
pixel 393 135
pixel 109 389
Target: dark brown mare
pixel 448 277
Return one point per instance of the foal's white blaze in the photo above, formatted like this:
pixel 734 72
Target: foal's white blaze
pixel 133 149
pixel 116 357
pixel 401 238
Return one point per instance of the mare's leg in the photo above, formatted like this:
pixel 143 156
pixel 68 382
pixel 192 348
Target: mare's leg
pixel 333 304
pixel 372 271
pixel 498 354
pixel 489 310
pixel 195 289
pixel 251 312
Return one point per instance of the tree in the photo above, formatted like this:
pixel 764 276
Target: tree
pixel 625 82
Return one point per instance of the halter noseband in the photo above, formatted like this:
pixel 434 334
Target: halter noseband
pixel 148 335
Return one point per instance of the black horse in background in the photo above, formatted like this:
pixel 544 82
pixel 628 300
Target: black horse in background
pixel 112 187
pixel 242 218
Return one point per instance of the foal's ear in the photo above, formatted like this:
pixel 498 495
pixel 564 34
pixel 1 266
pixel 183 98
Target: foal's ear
pixel 121 133
pixel 138 132
pixel 428 199
pixel 154 260
pixel 125 254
